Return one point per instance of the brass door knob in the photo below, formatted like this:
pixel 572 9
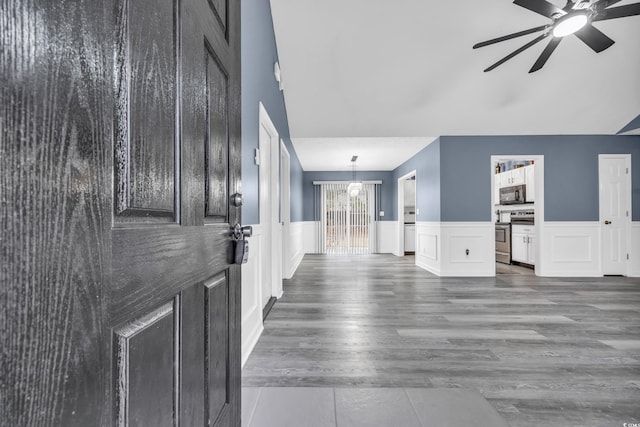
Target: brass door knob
pixel 607 222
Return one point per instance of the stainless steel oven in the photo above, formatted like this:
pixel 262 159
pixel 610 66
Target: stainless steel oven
pixel 503 242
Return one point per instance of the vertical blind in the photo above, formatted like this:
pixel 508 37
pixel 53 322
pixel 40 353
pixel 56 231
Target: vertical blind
pixel 346 224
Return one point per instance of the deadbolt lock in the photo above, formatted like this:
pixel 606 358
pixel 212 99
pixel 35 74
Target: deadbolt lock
pixel 607 222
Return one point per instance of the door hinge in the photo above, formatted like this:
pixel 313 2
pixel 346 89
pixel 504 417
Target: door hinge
pixel 627 171
pixel 627 213
pixel 627 257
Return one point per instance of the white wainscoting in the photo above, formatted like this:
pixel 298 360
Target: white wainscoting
pixel 294 248
pixel 387 236
pixel 428 246
pixel 456 248
pixel 252 326
pixel 570 249
pixel 468 249
pixel 310 237
pixel 634 254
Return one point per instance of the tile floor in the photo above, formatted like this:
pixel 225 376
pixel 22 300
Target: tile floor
pixel 366 407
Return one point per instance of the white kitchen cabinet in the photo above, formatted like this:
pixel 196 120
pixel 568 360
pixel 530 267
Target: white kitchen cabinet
pixel 496 188
pixel 513 177
pixel 523 243
pixel 409 237
pixel 529 178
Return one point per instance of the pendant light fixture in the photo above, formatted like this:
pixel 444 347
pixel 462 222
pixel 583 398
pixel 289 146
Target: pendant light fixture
pixel 354 186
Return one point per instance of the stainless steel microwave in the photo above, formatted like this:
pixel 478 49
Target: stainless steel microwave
pixel 513 195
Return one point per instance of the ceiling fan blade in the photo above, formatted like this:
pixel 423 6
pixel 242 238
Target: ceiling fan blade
pixel 542 7
pixel 511 36
pixel 618 12
pixel 594 38
pixel 546 53
pixel 517 51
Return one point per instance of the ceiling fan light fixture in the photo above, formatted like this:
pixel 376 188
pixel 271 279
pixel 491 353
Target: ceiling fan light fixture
pixel 569 24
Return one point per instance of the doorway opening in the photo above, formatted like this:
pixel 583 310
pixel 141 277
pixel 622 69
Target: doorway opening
pixel 270 255
pixel 517 201
pixel 348 219
pixel 407 214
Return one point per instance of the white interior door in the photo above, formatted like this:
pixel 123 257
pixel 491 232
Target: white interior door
pixel 614 212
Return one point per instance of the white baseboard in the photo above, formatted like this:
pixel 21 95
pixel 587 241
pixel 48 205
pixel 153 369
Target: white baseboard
pixel 570 249
pixel 634 253
pixel 387 237
pixel 251 315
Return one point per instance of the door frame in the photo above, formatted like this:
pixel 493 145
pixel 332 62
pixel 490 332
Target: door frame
pixel 285 209
pixel 400 240
pixel 538 215
pixel 627 221
pixel 273 260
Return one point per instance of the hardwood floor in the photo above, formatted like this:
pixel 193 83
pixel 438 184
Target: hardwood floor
pixel 542 351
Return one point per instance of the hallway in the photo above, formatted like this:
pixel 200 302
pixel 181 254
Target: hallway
pixel 542 351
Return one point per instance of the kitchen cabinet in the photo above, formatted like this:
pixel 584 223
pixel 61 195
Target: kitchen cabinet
pixel 409 237
pixel 530 182
pixel 496 188
pixel 523 243
pixel 513 177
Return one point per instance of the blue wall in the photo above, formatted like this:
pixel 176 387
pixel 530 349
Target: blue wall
pixel 427 166
pixel 259 54
pixel 634 124
pixel 387 199
pixel 571 173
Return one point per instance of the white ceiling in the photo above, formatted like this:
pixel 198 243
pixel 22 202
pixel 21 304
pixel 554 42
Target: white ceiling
pixel 376 69
pixel 374 154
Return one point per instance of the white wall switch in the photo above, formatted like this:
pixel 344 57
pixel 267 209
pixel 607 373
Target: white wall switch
pixel 381 213
pixel 257 156
pixel 417 211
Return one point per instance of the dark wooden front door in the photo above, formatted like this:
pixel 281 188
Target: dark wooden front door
pixel 120 124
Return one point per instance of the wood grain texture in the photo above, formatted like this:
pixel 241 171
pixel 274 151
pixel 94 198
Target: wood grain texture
pixel 144 355
pixel 55 198
pixel 146 145
pixel 536 348
pixel 217 144
pixel 217 344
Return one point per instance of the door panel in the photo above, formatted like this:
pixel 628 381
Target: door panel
pixel 146 108
pixel 217 344
pixel 145 358
pixel 217 147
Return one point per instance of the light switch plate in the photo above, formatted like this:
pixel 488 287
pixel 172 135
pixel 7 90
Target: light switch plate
pixel 381 213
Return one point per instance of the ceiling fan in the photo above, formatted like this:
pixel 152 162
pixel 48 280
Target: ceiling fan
pixel 575 18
